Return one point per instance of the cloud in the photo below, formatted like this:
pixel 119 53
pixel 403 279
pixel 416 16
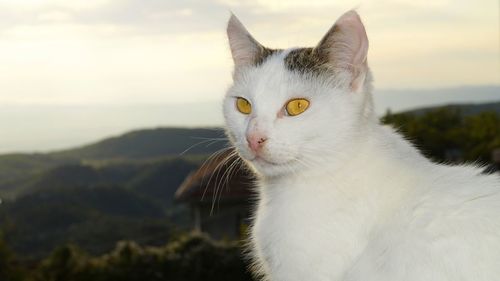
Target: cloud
pixel 132 17
pixel 154 16
pixel 58 51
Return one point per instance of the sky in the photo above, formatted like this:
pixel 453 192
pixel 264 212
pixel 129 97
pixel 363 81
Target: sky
pixel 91 54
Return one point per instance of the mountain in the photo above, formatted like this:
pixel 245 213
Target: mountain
pixel 115 189
pixel 19 171
pixel 150 144
pixel 399 100
pixel 96 206
pixel 94 218
pixel 465 109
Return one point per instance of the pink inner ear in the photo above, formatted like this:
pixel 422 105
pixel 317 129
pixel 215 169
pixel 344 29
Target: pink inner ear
pixel 243 46
pixel 355 36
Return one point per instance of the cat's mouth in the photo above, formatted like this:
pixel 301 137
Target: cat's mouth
pixel 272 167
pixel 262 161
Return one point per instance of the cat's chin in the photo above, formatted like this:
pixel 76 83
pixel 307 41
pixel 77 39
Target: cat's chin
pixel 269 168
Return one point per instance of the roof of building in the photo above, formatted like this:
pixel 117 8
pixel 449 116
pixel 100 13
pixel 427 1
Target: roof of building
pixel 223 176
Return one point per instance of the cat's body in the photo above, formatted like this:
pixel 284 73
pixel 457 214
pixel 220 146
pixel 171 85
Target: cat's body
pixel 388 214
pixel 342 197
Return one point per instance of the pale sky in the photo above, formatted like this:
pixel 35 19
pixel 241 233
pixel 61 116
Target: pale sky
pixel 175 51
pixel 75 71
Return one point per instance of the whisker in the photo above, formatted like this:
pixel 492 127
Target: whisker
pixel 218 182
pixel 218 189
pixel 217 168
pixel 207 163
pixel 205 140
pixel 227 176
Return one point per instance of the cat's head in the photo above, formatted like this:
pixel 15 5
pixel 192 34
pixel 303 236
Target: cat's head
pixel 293 109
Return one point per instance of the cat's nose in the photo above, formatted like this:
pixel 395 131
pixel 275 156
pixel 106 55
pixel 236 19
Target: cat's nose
pixel 256 141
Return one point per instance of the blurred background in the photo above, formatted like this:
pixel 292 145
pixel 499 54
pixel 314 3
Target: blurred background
pixel 110 109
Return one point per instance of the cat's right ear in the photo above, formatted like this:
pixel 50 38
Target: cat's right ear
pixel 244 48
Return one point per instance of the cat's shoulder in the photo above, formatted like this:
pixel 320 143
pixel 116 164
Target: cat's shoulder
pixel 440 233
pixel 460 202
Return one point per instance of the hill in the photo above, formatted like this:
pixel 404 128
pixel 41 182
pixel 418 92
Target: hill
pixel 93 217
pixel 150 144
pixel 18 171
pixel 94 207
pixel 452 134
pixel 465 109
pixel 401 100
pixel 115 189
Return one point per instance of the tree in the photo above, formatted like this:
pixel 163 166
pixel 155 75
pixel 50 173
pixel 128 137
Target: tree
pixel 193 257
pixel 66 263
pixel 9 270
pixel 441 131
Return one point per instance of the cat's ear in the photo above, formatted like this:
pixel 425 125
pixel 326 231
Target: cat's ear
pixel 346 46
pixel 244 48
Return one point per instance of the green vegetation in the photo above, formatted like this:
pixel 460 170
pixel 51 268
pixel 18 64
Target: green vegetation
pixel 191 257
pixel 444 134
pixel 94 207
pixel 93 218
pixel 464 109
pixel 93 201
pixel 18 171
pixel 149 144
pixel 9 269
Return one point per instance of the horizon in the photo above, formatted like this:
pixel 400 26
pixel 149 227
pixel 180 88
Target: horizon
pixel 36 128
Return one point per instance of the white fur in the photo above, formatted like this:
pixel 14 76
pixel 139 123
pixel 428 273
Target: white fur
pixel 349 199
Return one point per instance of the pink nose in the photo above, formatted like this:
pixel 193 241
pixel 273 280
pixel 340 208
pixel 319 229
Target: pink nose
pixel 256 141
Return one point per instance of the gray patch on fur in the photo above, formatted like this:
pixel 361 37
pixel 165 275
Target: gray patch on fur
pixel 307 60
pixel 264 54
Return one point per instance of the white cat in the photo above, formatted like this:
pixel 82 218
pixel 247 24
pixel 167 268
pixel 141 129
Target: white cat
pixel 342 197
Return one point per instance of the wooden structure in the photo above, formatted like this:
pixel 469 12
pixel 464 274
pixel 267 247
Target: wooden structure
pixel 220 195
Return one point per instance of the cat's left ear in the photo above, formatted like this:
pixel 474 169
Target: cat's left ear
pixel 244 48
pixel 346 46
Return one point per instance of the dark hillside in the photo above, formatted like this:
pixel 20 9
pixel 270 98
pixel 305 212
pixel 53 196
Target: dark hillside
pixel 152 143
pixel 448 135
pixel 94 218
pixel 19 172
pixel 160 181
pixel 464 109
pixel 95 207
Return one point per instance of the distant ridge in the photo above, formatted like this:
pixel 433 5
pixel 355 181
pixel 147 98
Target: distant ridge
pixel 17 171
pixel 408 99
pixel 465 109
pixel 151 143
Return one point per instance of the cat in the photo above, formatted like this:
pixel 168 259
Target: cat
pixel 340 196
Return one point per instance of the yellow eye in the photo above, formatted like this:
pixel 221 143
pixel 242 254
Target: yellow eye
pixel 243 106
pixel 296 106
